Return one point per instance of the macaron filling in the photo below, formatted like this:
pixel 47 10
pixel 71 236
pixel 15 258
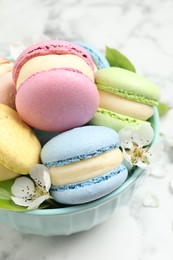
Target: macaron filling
pixel 79 157
pixel 86 168
pixel 90 182
pixel 125 106
pixel 47 62
pixel 128 94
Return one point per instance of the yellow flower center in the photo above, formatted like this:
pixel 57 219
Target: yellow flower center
pixel 138 153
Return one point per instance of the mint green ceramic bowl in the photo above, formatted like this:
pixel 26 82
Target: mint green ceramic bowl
pixel 73 219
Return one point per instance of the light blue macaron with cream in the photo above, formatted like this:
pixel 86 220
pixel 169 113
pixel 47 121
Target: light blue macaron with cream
pixel 99 60
pixel 85 164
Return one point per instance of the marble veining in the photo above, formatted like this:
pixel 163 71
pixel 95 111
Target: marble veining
pixel 142 30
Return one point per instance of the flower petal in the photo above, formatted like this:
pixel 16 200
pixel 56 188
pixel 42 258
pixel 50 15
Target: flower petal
pixel 127 157
pixel 40 174
pixel 143 135
pixel 126 137
pixel 47 180
pixel 141 164
pixel 150 200
pixel 36 203
pixel 21 202
pixel 155 152
pixel 17 47
pixel 23 187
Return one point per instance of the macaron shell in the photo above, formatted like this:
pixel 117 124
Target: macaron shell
pixel 5 66
pixel 19 147
pixel 125 106
pixel 98 58
pixel 50 47
pixel 128 84
pixel 114 120
pixel 6 174
pixel 7 90
pixel 57 100
pixel 83 192
pixel 78 143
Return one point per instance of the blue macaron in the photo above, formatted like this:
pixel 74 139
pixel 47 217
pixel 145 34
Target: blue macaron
pixel 74 147
pixel 98 58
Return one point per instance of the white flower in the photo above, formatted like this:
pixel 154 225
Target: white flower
pixel 135 145
pixel 17 47
pixel 32 192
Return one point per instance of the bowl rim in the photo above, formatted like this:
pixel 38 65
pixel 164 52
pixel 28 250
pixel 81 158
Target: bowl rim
pixel 155 122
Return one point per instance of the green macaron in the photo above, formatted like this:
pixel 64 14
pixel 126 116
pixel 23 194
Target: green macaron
pixel 126 98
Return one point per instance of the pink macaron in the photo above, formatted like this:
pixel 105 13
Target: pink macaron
pixel 55 86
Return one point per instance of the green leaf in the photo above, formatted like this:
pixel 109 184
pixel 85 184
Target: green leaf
pixel 8 204
pixel 4 194
pixel 163 109
pixel 117 59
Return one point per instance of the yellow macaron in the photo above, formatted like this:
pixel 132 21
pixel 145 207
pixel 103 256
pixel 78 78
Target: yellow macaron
pixel 19 147
pixel 7 86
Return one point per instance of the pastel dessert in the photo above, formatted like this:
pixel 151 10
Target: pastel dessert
pixel 99 60
pixel 55 86
pixel 126 98
pixel 85 164
pixel 19 147
pixel 7 86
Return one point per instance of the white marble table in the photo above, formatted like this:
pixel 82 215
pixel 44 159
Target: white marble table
pixel 143 31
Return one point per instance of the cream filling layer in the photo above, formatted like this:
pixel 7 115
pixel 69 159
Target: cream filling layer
pixel 6 174
pixel 125 106
pixel 46 62
pixel 87 168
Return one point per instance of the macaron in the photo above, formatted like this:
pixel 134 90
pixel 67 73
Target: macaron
pixel 85 164
pixel 126 98
pixel 55 86
pixel 99 59
pixel 19 147
pixel 7 86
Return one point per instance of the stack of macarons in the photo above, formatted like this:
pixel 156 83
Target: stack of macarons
pixel 71 101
